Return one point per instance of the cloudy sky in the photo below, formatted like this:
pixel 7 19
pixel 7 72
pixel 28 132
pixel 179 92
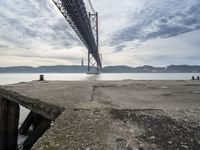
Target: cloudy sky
pixel 132 32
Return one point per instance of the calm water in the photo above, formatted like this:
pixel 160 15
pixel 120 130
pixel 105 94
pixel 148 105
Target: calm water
pixel 15 78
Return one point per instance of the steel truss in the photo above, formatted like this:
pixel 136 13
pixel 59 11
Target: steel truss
pixel 75 13
pixel 93 66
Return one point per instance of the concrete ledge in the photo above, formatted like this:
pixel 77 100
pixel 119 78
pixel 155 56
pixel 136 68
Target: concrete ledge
pixel 47 110
pixel 119 115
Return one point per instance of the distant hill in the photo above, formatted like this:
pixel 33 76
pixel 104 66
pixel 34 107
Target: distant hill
pixel 150 69
pixel 183 69
pixel 108 69
pixel 118 69
pixel 126 69
pixel 44 69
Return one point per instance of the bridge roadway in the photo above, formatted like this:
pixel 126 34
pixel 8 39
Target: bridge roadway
pixel 118 115
pixel 77 16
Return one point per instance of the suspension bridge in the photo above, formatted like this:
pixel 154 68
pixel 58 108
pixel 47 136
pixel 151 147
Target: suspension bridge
pixel 86 27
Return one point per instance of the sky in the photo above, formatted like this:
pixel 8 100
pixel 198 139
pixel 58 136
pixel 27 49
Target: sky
pixel 132 32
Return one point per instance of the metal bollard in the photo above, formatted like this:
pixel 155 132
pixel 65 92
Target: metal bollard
pixel 41 78
pixel 193 78
pixel 197 77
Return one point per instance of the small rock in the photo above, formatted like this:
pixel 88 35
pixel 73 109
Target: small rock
pixel 185 146
pixel 170 142
pixel 141 146
pixel 52 123
pixel 152 137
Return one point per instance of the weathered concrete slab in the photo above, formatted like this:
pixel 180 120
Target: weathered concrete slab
pixel 120 115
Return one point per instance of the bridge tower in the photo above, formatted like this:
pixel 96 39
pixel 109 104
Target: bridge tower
pixel 93 66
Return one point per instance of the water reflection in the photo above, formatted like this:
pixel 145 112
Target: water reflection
pixel 15 78
pixel 93 77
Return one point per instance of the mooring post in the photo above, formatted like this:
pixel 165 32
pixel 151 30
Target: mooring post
pixel 193 78
pixel 41 78
pixel 198 78
pixel 9 120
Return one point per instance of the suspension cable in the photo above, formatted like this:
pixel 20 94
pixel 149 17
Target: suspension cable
pixel 90 3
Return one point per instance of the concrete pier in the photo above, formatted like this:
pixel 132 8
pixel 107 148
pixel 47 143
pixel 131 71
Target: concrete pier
pixel 118 115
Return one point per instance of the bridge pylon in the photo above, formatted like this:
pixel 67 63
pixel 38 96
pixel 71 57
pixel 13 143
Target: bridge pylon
pixel 93 67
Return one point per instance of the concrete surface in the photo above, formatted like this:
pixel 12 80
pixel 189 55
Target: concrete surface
pixel 115 115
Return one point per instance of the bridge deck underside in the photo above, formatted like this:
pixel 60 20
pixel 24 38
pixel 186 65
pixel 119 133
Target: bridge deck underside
pixel 75 13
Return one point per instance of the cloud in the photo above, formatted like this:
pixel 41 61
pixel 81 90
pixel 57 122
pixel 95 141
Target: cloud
pixel 160 19
pixel 161 52
pixel 132 32
pixel 34 61
pixel 24 22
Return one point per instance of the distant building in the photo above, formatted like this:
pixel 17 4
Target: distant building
pixel 82 62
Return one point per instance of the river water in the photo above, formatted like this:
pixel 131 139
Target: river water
pixel 15 78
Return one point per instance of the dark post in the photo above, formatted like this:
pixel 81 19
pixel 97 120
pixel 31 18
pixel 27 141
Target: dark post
pixel 24 129
pixel 193 78
pixel 41 77
pixel 36 120
pixel 197 77
pixel 3 118
pixel 12 125
pixel 9 120
pixel 37 133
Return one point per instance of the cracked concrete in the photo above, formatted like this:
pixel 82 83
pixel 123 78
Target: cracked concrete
pixel 118 115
